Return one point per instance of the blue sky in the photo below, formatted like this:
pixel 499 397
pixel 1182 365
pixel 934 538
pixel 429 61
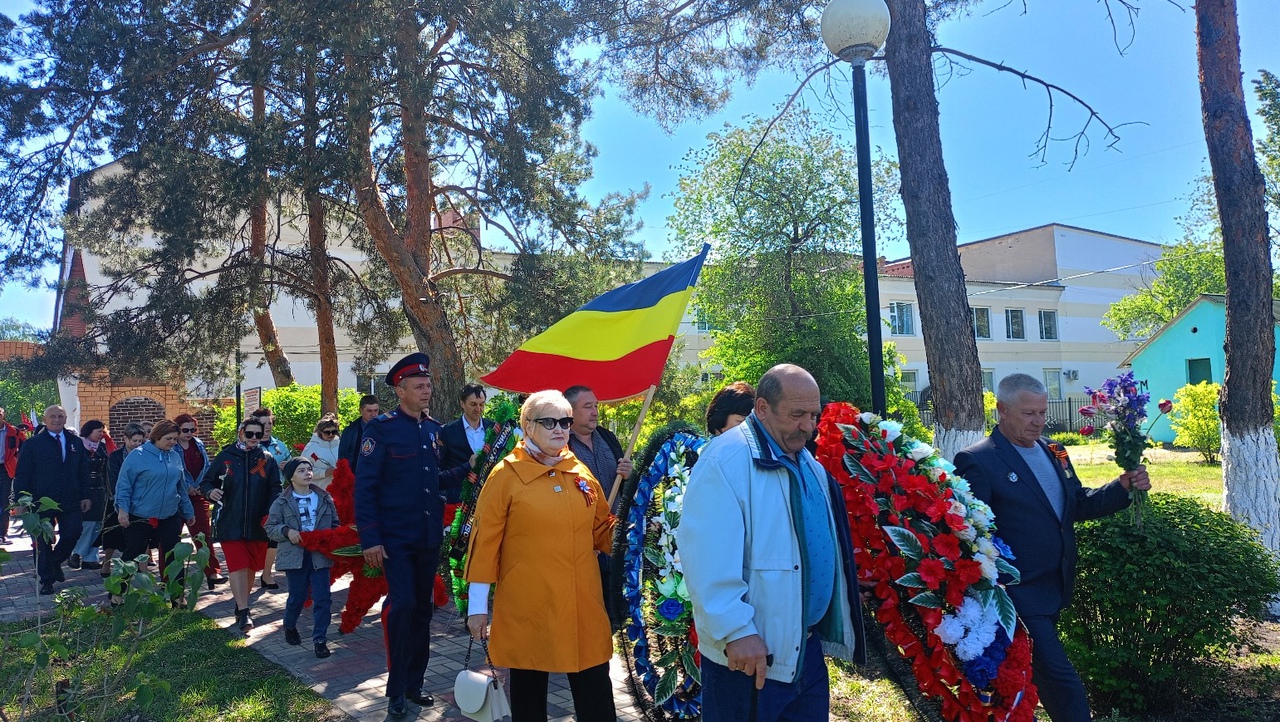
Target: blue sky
pixel 990 124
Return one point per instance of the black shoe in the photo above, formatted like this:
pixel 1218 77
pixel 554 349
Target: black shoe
pixel 91 565
pixel 397 708
pixel 4 540
pixel 58 575
pixel 215 580
pixel 46 588
pixel 423 699
pixel 73 562
pixel 322 650
pixel 262 581
pixel 291 636
pixel 243 620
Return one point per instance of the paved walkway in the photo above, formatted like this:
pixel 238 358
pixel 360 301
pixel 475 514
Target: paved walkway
pixel 353 678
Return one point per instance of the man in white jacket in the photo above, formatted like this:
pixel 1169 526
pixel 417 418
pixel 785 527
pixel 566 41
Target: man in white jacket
pixel 765 548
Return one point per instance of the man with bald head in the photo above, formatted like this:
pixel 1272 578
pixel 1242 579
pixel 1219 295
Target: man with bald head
pixel 768 562
pixel 54 463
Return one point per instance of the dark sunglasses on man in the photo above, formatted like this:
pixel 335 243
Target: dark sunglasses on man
pixel 549 423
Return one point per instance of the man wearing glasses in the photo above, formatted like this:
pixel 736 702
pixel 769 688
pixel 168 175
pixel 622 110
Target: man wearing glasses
pixel 400 516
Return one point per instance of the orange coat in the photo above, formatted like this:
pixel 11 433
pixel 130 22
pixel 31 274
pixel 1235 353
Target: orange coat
pixel 535 539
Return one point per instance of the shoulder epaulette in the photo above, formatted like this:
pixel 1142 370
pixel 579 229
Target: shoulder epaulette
pixel 389 415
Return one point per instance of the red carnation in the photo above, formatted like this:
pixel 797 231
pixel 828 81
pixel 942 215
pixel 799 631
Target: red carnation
pixel 932 572
pixel 947 545
pixel 968 572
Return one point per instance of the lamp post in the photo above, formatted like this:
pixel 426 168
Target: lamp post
pixel 854 30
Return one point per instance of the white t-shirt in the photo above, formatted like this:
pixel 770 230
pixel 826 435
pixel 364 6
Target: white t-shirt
pixel 308 507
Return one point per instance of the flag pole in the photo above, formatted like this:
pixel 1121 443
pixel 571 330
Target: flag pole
pixel 631 445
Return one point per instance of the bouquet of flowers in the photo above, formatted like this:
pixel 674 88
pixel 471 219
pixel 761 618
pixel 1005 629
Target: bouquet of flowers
pixel 1124 407
pixel 930 548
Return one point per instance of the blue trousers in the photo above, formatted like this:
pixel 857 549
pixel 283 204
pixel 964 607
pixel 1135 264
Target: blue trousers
pixel 309 578
pixel 729 696
pixel 48 556
pixel 406 616
pixel 87 546
pixel 1061 691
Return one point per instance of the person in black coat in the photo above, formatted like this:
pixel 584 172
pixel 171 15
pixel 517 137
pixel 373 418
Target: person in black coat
pixel 113 537
pixel 1037 499
pixel 54 464
pixel 243 480
pixel 353 434
pixel 85 553
pixel 464 436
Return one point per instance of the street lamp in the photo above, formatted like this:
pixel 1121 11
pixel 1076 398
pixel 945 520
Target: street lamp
pixel 854 30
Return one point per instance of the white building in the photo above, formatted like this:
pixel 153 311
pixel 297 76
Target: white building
pixel 1038 297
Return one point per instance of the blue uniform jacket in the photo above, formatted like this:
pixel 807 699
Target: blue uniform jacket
pixel 399 482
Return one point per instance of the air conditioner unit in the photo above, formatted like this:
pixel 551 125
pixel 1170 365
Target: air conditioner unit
pixel 1071 374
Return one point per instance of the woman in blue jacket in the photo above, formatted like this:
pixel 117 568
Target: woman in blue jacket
pixel 151 496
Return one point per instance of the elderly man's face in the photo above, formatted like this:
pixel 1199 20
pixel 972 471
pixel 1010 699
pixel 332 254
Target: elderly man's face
pixel 793 420
pixel 415 394
pixel 1022 421
pixel 55 419
pixel 369 412
pixel 586 413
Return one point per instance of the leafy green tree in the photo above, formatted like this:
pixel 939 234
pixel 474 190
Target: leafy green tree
pixel 1184 271
pixel 783 282
pixel 1195 419
pixel 296 410
pixel 18 396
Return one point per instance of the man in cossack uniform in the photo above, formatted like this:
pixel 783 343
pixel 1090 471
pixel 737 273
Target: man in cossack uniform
pixel 400 517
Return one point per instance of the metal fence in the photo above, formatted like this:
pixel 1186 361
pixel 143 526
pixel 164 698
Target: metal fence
pixel 1064 414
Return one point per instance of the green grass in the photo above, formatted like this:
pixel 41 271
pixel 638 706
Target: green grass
pixel 1185 478
pixel 211 676
pixel 865 694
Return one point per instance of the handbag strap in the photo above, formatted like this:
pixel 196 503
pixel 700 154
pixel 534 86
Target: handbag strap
pixel 485 644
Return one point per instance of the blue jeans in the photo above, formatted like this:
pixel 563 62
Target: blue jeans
pixel 728 696
pixel 300 581
pixel 86 548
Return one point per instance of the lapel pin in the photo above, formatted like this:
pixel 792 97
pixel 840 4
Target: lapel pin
pixel 1013 477
pixel 555 488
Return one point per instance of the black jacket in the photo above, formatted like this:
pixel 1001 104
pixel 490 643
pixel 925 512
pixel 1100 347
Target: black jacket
pixel 250 481
pixel 456 449
pixel 349 443
pixel 97 490
pixel 43 472
pixel 1044 546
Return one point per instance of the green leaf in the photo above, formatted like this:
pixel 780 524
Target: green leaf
pixel 690 667
pixel 655 557
pixel 927 599
pixel 906 542
pixel 913 580
pixel 668 659
pixel 666 686
pixel 1006 568
pixel 145 695
pixel 1008 615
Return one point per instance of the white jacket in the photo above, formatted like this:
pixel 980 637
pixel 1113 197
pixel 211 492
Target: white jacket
pixel 741 559
pixel 323 456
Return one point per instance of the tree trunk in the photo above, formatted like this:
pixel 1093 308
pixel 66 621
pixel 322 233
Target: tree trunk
pixel 955 373
pixel 1250 465
pixel 277 360
pixel 408 255
pixel 319 254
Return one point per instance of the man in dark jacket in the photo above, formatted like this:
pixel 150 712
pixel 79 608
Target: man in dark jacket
pixel 349 442
pixel 464 436
pixel 1037 499
pixel 54 463
pixel 594 445
pixel 400 515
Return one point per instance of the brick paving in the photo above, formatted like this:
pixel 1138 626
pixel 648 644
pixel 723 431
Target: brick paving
pixel 353 678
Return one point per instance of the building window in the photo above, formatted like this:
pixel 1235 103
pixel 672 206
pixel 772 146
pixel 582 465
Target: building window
pixel 1053 382
pixel 1014 328
pixel 908 381
pixel 1048 325
pixel 980 319
pixel 1199 370
pixel 989 380
pixel 701 320
pixel 902 320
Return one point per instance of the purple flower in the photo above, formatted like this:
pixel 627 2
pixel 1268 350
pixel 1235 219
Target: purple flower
pixel 671 609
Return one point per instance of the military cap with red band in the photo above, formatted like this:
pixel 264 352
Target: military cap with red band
pixel 415 364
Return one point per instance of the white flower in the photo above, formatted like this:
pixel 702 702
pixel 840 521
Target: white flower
pixel 950 630
pixel 868 418
pixel 959 484
pixel 920 452
pixel 891 429
pixel 986 548
pixel 967 533
pixel 989 570
pixel 667 586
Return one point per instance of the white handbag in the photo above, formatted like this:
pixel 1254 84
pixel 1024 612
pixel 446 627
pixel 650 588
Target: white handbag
pixel 480 696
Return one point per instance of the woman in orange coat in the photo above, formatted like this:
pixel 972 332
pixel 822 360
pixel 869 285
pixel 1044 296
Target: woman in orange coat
pixel 539 522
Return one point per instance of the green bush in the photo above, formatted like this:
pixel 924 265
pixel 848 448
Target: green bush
pixel 1069 438
pixel 989 410
pixel 1194 419
pixel 296 409
pixel 1157 608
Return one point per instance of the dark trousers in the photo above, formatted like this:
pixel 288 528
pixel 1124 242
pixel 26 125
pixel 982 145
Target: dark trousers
pixel 6 491
pixel 592 695
pixel 200 525
pixel 406 616
pixel 729 696
pixel 140 537
pixel 315 581
pixel 1061 691
pixel 50 557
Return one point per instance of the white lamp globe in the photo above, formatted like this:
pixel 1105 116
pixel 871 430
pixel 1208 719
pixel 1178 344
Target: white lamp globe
pixel 855 29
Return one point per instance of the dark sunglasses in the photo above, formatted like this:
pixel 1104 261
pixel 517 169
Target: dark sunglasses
pixel 188 429
pixel 254 434
pixel 549 423
pixel 328 432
